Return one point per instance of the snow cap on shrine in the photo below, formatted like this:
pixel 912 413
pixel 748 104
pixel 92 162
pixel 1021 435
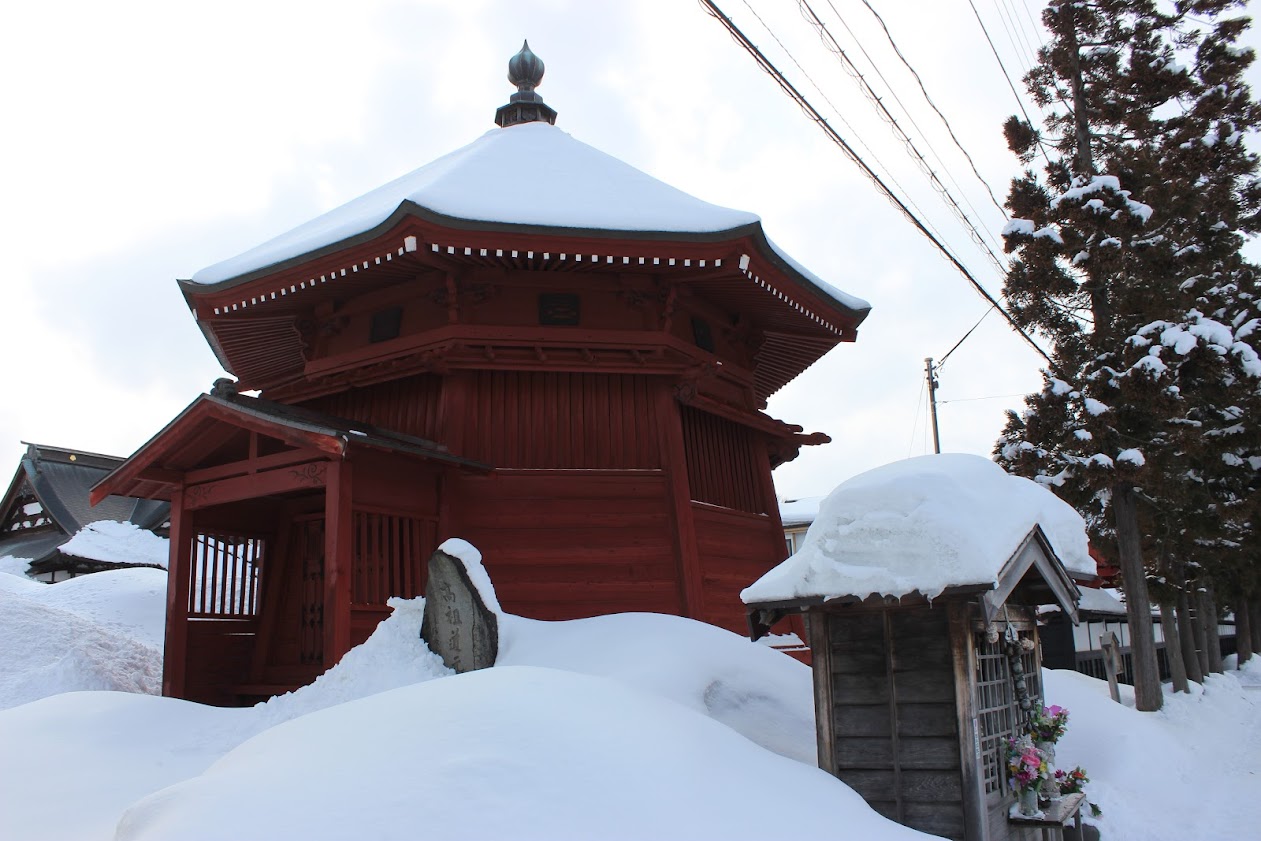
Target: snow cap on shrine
pixel 525 70
pixel 928 525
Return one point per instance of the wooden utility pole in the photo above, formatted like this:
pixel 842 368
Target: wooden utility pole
pixel 932 401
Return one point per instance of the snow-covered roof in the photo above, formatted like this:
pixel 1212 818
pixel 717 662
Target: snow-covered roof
pixel 1095 600
pixel 922 525
pixel 799 512
pixel 532 174
pixel 118 543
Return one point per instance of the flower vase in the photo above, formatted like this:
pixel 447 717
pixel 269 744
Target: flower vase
pixel 1048 751
pixel 1028 801
pixel 1049 789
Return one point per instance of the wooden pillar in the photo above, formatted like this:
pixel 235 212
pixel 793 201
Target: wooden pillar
pixel 179 569
pixel 963 655
pixel 674 460
pixel 819 630
pixel 338 534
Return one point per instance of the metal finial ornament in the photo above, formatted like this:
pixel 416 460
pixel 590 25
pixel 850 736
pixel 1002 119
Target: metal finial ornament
pixel 525 70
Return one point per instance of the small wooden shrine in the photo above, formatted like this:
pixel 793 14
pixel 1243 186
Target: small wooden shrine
pixel 916 697
pixel 527 344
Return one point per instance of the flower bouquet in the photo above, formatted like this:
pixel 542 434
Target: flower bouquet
pixel 1072 781
pixel 1049 724
pixel 1027 769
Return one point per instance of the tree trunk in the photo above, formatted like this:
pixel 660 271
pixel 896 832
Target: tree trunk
pixel 1173 648
pixel 1243 629
pixel 1147 692
pixel 1186 636
pixel 1199 625
pixel 1255 622
pixel 1208 621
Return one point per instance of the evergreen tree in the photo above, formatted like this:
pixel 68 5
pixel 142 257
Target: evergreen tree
pixel 1127 257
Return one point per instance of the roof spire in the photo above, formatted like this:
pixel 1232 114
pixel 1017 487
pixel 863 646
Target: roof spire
pixel 525 70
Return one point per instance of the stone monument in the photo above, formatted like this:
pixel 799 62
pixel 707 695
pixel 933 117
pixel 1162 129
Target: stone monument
pixel 459 626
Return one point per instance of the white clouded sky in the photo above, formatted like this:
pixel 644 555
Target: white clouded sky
pixel 143 141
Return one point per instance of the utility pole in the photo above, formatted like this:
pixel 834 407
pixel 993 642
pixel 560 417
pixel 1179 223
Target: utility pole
pixel 932 401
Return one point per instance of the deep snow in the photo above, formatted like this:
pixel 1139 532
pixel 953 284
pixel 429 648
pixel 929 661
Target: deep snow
pixel 626 726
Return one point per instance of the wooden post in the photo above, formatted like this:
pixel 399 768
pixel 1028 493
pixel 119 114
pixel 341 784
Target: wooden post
pixel 820 641
pixel 338 533
pixel 1112 663
pixel 674 459
pixel 963 656
pixel 179 569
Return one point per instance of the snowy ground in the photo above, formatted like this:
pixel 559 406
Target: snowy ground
pixel 629 726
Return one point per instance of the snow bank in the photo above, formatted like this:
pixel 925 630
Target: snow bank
pixel 611 727
pixel 509 752
pixel 393 656
pixel 101 631
pixel 645 661
pixel 72 763
pixel 1196 758
pixel 118 543
pixel 923 525
pixel 758 692
pixel 10 565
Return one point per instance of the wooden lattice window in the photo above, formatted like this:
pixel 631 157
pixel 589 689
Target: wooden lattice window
pixel 999 716
pixel 224 575
pixel 389 551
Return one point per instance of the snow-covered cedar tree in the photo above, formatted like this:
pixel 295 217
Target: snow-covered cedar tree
pixel 1126 257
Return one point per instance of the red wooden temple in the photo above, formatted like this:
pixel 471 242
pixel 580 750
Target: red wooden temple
pixel 527 344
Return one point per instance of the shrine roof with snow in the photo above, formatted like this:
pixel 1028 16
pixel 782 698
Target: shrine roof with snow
pixel 531 176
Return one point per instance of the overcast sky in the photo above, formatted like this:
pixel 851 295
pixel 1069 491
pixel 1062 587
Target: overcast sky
pixel 143 141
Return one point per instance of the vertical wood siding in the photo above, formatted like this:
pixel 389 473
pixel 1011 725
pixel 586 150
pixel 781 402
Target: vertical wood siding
pixel 893 716
pixel 409 405
pixel 721 463
pixel 553 419
pixel 391 551
pixel 735 549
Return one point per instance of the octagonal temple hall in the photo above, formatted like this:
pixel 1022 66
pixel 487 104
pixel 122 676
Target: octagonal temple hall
pixel 527 344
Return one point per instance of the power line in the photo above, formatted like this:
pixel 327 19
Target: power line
pixel 1007 76
pixel 915 423
pixel 837 111
pixel 991 397
pixel 1017 41
pixel 836 138
pixel 858 42
pixel 830 42
pixel 949 128
pixel 942 361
